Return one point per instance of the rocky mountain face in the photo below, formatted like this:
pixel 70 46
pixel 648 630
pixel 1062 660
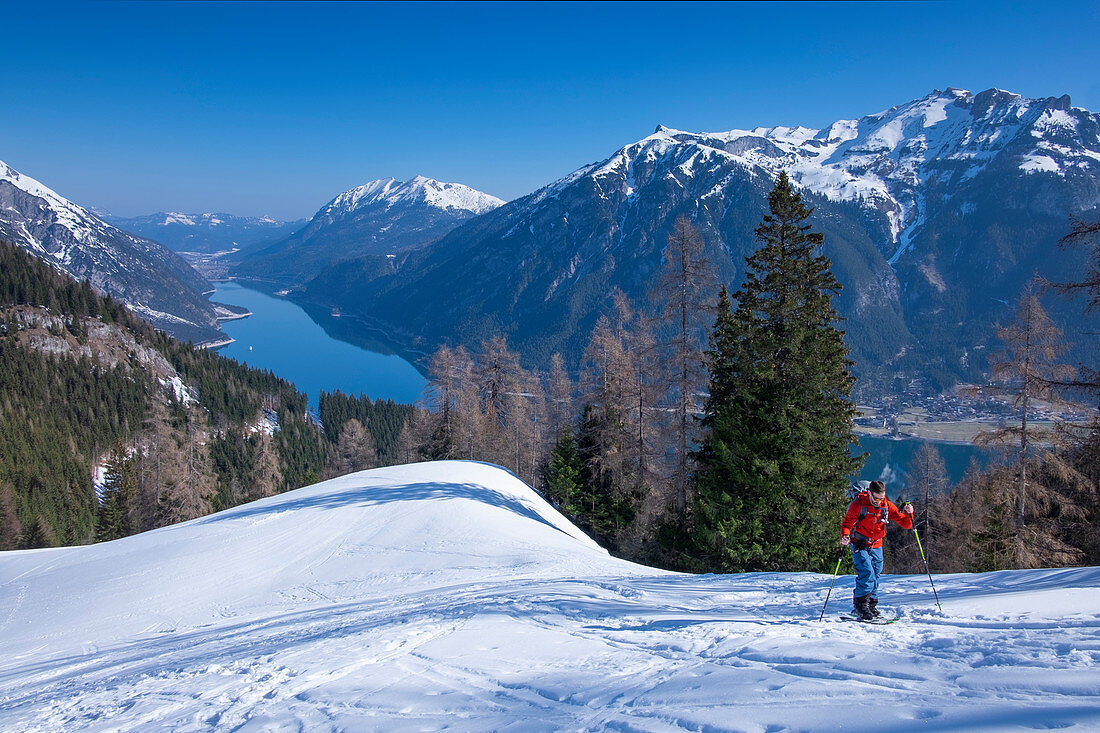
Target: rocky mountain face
pixel 379 219
pixel 150 279
pixel 935 214
pixel 205 233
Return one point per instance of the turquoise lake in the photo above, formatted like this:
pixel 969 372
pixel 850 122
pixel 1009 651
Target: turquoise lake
pixel 889 460
pixel 281 337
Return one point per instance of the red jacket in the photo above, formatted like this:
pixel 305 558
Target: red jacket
pixel 872 524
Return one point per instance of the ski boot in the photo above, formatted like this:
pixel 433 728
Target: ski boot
pixel 861 607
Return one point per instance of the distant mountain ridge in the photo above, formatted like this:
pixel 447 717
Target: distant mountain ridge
pixel 935 213
pixel 205 233
pixel 380 218
pixel 151 280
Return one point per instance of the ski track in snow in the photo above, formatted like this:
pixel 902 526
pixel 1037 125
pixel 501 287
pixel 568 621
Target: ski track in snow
pixel 341 607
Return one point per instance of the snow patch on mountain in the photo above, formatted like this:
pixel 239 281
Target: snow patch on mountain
pixel 389 192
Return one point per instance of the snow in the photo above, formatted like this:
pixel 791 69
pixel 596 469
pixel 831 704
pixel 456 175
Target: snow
pixel 179 389
pixel 450 595
pixel 1056 120
pixel 1035 163
pixel 74 218
pixel 157 316
pixel 883 161
pixel 388 192
pixel 173 217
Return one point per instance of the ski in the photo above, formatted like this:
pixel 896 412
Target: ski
pixel 875 621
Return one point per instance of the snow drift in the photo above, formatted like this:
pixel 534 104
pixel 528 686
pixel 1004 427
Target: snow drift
pixel 450 595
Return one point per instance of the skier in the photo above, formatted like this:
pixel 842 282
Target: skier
pixel 863 528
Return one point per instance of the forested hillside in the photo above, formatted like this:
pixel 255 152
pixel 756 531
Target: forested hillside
pixel 179 431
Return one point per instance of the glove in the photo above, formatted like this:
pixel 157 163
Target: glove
pixel 846 540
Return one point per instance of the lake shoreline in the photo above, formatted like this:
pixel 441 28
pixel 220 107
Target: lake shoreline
pixel 279 335
pixel 367 333
pixel 911 436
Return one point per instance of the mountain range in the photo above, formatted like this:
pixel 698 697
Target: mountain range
pixel 381 218
pixel 204 233
pixel 150 279
pixel 935 214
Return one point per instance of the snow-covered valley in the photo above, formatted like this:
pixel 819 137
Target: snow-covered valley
pixel 451 596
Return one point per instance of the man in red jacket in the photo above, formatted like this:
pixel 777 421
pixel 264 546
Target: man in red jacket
pixel 863 528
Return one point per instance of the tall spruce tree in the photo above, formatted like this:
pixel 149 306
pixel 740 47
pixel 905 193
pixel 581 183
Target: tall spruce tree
pixel 118 507
pixel 563 473
pixel 774 463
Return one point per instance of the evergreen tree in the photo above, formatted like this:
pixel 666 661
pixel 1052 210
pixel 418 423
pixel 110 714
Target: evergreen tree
pixel 60 412
pixel 605 503
pixel 775 462
pixel 11 531
pixel 37 533
pixel 563 475
pixel 117 510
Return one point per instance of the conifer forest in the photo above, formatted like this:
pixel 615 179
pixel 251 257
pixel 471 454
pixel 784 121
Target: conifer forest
pixel 712 431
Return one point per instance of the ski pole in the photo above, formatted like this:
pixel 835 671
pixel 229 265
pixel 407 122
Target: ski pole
pixel 922 557
pixel 838 560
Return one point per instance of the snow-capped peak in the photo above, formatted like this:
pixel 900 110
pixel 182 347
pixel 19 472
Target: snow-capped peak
pixel 388 192
pixel 888 161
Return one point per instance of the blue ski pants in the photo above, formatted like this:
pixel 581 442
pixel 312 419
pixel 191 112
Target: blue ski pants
pixel 868 569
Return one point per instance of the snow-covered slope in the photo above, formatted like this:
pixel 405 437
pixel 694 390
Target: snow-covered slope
pixel 377 220
pixel 449 595
pixel 154 282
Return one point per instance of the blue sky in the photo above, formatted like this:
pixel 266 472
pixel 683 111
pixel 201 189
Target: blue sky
pixel 257 108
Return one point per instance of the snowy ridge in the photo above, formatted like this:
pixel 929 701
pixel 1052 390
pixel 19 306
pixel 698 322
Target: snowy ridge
pixel 450 595
pixel 137 271
pixel 389 192
pixel 87 230
pixel 204 233
pixel 78 220
pixel 380 218
pixel 887 161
